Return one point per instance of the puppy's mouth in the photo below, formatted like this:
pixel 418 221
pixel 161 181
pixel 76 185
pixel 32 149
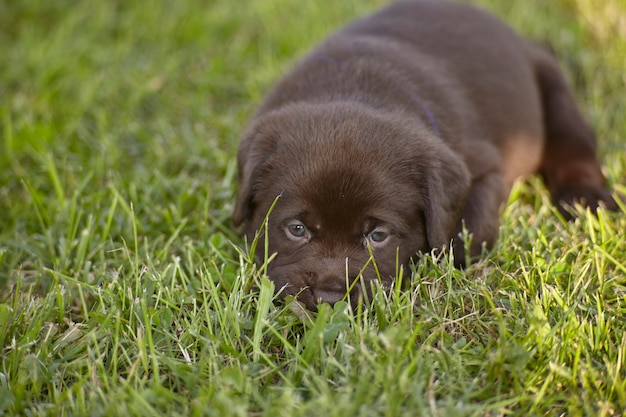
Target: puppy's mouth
pixel 314 295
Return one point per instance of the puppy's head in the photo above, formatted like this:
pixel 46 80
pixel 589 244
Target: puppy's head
pixel 357 191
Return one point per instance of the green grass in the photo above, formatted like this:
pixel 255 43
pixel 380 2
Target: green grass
pixel 124 289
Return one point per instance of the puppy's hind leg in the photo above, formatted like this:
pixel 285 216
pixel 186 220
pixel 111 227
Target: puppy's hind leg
pixel 569 165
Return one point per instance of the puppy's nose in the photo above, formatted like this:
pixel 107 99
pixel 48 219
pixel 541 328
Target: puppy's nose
pixel 328 296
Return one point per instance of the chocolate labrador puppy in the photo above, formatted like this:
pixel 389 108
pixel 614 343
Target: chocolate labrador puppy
pixel 393 134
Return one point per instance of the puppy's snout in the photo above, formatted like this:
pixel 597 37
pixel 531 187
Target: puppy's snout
pixel 326 281
pixel 329 296
pixel 327 286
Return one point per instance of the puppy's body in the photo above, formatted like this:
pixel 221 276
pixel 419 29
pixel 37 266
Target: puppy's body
pixel 397 130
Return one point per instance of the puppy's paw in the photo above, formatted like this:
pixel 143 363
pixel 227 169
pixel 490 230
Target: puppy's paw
pixel 587 196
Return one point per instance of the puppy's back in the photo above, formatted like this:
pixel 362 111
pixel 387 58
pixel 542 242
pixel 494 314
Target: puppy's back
pixel 489 59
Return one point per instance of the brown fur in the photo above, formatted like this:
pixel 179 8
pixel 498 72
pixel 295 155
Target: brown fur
pixel 412 122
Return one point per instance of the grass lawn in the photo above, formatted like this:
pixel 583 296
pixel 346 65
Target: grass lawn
pixel 125 290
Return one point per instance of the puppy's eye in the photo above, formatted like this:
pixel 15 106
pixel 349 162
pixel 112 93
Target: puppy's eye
pixel 297 229
pixel 378 236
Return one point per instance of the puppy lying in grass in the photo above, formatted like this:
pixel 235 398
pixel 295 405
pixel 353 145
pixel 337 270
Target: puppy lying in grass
pixel 396 131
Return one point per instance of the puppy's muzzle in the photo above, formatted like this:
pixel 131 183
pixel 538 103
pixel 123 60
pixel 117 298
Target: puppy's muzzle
pixel 330 296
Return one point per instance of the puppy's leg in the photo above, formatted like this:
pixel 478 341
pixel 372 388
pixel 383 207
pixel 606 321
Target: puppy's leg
pixel 569 166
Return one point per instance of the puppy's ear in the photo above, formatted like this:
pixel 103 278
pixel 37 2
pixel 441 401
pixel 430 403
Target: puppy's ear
pixel 244 203
pixel 447 184
pixel 254 155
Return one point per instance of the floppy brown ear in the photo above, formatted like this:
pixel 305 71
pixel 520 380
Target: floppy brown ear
pixel 244 203
pixel 448 184
pixel 247 166
pixel 255 153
